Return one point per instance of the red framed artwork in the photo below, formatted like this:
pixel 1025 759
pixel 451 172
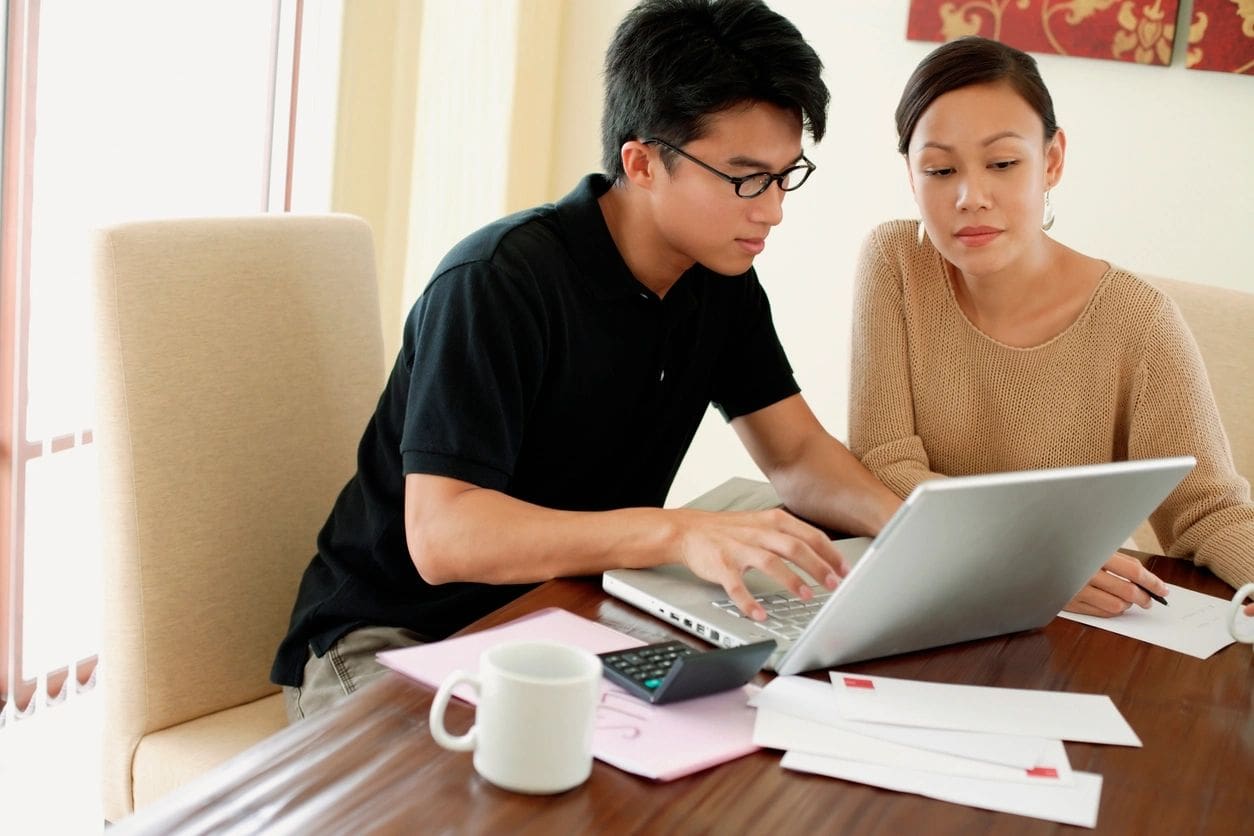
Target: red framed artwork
pixel 1142 31
pixel 1221 36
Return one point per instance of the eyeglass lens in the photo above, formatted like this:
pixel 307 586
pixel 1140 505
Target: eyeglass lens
pixel 758 183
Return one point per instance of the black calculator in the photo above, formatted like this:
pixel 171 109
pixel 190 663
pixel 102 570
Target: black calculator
pixel 674 671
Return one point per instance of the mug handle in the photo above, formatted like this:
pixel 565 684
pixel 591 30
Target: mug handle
pixel 460 743
pixel 1234 614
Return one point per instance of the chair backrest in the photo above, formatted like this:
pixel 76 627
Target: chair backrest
pixel 238 362
pixel 1222 322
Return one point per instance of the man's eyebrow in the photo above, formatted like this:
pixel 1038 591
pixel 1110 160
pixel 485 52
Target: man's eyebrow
pixel 759 165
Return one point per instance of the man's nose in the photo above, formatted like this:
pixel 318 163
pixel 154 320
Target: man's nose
pixel 768 207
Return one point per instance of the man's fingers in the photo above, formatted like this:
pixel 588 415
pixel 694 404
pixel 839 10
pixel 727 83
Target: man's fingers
pixel 723 546
pixel 746 603
pixel 808 548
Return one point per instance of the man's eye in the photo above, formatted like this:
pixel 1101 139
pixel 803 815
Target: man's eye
pixel 938 172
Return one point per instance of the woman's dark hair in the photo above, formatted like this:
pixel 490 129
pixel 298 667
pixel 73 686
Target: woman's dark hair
pixel 674 63
pixel 962 63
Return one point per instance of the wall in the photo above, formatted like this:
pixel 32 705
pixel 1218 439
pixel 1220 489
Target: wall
pixel 1159 178
pixel 446 123
pixel 374 143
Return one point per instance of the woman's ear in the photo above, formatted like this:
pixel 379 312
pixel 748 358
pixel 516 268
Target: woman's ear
pixel 905 158
pixel 1055 156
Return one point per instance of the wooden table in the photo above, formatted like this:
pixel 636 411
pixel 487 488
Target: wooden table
pixel 373 767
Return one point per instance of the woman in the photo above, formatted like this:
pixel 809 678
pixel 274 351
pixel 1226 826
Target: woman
pixel 982 345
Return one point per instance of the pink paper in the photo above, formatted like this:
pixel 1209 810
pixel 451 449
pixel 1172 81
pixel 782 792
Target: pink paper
pixel 659 742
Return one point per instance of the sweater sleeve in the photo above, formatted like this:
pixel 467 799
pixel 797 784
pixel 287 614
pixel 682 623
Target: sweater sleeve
pixel 1208 517
pixel 881 400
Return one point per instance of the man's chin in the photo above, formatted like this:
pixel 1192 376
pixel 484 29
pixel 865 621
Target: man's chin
pixel 730 267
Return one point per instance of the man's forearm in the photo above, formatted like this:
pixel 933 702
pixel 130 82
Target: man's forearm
pixel 487 537
pixel 828 485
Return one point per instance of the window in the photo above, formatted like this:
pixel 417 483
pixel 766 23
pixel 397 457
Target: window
pixel 120 111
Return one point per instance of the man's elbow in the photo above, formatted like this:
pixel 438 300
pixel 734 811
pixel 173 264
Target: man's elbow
pixel 429 558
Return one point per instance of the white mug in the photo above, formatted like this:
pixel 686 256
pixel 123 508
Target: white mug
pixel 534 719
pixel 1241 626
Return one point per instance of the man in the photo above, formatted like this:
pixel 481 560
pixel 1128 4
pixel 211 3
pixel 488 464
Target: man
pixel 556 368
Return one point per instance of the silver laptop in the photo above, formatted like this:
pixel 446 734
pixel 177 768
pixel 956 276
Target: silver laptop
pixel 963 558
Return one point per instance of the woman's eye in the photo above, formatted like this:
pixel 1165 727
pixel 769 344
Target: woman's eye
pixel 1003 165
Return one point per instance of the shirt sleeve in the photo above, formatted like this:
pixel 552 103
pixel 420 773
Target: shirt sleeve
pixel 1208 517
pixel 753 370
pixel 881 398
pixel 476 346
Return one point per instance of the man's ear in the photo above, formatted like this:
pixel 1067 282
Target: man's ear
pixel 1055 156
pixel 638 164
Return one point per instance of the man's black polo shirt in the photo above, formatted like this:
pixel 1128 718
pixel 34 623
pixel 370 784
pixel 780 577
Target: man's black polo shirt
pixel 533 364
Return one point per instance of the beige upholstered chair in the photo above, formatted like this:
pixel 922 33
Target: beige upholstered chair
pixel 1222 321
pixel 239 359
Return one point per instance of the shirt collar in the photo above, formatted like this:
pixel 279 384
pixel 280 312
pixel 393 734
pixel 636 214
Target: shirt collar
pixel 592 247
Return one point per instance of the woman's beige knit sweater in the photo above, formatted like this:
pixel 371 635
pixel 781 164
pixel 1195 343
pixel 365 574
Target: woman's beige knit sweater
pixel 931 395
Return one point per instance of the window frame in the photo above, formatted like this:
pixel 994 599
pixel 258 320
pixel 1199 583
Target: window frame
pixel 19 23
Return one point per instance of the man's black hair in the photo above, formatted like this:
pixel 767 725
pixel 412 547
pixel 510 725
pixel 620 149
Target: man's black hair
pixel 675 63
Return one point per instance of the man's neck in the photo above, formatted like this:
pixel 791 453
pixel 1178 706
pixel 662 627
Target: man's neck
pixel 643 247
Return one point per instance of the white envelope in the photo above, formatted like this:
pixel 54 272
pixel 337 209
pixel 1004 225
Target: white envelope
pixel 1075 804
pixel 812 699
pixel 1192 623
pixel 780 731
pixel 1091 718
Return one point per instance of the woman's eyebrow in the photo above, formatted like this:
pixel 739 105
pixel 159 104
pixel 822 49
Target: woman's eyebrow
pixel 989 141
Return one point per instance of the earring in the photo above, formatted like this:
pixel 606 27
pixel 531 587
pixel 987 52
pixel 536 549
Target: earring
pixel 922 232
pixel 1048 222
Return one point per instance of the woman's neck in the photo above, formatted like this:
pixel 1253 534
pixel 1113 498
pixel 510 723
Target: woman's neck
pixel 1031 301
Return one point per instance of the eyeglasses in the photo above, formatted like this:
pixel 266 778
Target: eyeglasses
pixel 751 185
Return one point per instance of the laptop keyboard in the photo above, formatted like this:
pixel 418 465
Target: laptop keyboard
pixel 786 616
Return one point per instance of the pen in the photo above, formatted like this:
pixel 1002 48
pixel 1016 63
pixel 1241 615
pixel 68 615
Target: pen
pixel 1140 555
pixel 1160 599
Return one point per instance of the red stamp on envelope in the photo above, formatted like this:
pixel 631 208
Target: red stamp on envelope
pixel 1042 772
pixel 857 682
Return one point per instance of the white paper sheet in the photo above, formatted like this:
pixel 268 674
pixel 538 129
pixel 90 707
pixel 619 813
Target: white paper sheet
pixel 812 699
pixel 1056 715
pixel 780 731
pixel 1075 804
pixel 1191 623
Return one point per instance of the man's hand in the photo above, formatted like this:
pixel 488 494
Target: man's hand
pixel 1115 587
pixel 722 546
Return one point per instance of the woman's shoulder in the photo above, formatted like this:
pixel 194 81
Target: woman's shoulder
pixel 1138 299
pixel 896 236
pixel 897 243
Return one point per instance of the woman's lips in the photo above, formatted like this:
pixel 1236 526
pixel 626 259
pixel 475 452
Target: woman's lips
pixel 977 236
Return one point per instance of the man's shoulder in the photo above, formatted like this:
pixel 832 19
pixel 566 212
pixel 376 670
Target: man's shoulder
pixel 531 235
pixel 540 239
